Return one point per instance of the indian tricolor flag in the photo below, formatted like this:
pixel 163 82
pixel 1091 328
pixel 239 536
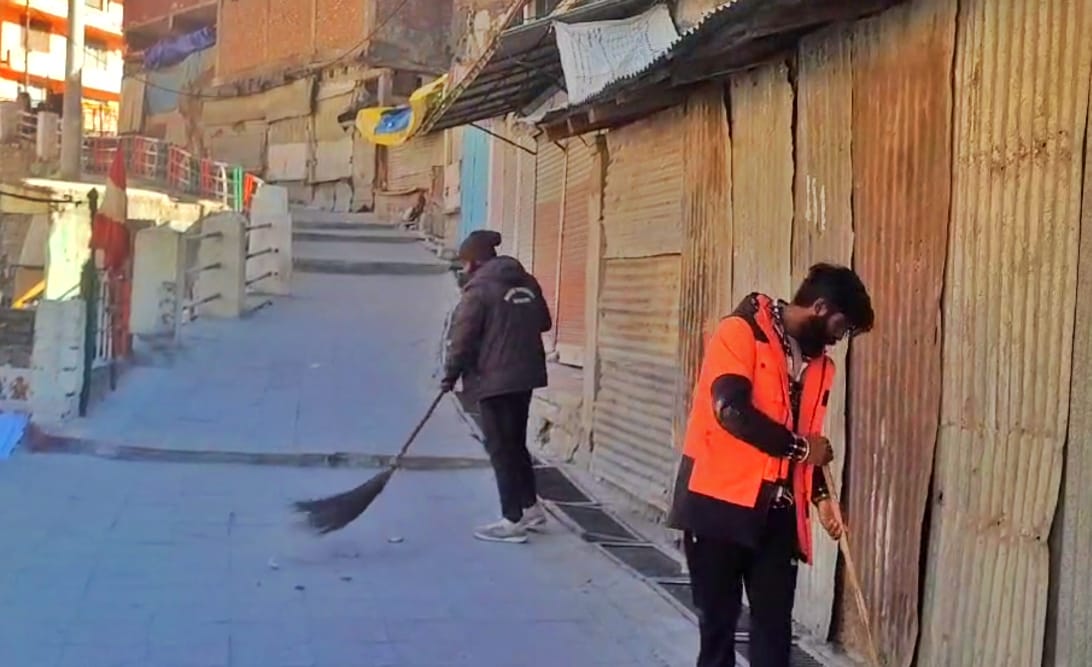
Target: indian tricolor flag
pixel 111 244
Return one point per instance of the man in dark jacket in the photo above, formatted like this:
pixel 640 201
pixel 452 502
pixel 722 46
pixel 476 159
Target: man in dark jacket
pixel 495 346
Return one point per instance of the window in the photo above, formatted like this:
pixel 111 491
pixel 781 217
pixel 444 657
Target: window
pixel 96 55
pixel 37 38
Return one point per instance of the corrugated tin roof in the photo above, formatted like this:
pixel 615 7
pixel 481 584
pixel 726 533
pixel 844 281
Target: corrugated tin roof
pixel 525 64
pixel 738 34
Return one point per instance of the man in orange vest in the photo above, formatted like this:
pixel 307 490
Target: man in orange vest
pixel 752 460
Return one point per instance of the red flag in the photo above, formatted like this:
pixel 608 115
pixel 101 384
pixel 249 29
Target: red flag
pixel 110 234
pixel 108 231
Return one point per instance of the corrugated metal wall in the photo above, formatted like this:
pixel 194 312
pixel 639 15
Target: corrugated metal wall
pixel 574 251
pixel 1023 72
pixel 473 182
pixel 706 270
pixel 1069 614
pixel 901 169
pixel 525 202
pixel 646 180
pixel 638 329
pixel 502 188
pixel 762 172
pixel 823 232
pixel 550 175
pixel 638 341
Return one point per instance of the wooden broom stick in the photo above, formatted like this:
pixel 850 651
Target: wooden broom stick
pixel 851 574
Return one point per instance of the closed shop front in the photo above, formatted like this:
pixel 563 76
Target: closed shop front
pixel 573 253
pixel 549 178
pixel 638 311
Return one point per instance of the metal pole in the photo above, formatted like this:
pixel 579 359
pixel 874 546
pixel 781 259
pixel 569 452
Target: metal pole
pixel 72 119
pixel 26 48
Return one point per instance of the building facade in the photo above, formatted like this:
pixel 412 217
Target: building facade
pixel 33 50
pixel 917 142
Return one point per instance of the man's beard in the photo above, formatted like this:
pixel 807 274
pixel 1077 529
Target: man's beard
pixel 814 337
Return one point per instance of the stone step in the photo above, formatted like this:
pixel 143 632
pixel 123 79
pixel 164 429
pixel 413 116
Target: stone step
pixel 343 226
pixel 354 237
pixel 311 215
pixel 368 267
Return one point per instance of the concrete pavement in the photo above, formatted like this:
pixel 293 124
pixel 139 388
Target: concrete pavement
pixel 116 563
pixel 122 564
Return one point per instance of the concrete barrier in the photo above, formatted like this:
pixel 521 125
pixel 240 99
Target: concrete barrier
pixel 269 242
pixel 58 359
pixel 219 276
pixel 157 254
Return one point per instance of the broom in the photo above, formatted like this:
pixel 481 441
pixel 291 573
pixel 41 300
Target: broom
pixel 851 575
pixel 327 515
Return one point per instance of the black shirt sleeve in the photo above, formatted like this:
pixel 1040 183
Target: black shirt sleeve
pixel 737 414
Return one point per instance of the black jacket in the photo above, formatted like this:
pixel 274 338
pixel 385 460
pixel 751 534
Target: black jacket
pixel 495 343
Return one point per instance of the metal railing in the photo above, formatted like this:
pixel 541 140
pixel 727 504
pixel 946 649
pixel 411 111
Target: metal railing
pixel 160 164
pixel 173 169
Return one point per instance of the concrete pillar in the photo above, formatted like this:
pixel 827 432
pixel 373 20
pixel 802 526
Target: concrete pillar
pixel 58 360
pixel 155 270
pixel 270 273
pixel 220 289
pixel 72 121
pixel 46 146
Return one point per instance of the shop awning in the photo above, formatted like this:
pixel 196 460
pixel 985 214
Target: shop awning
pixel 523 67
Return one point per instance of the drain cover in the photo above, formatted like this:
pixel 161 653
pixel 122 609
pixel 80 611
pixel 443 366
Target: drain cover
pixel 554 485
pixel 646 559
pixel 598 523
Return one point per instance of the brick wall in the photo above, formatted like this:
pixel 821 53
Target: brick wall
pixel 241 36
pixel 341 25
pixel 257 36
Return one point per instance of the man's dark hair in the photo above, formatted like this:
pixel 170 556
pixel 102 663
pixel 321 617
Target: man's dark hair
pixel 840 287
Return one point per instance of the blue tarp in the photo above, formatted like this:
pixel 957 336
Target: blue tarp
pixel 175 50
pixel 12 427
pixel 161 91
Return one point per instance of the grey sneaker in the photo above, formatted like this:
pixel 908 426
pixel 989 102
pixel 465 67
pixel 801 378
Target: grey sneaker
pixel 502 531
pixel 534 518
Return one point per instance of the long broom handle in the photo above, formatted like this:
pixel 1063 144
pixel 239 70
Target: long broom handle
pixel 417 429
pixel 851 574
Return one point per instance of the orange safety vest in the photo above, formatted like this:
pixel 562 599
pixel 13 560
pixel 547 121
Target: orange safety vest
pixel 728 469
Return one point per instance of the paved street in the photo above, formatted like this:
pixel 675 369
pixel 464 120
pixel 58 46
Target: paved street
pixel 118 563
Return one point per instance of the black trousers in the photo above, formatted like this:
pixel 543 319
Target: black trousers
pixel 504 424
pixel 719 570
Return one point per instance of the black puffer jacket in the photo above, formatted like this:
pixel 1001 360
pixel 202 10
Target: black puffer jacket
pixel 495 343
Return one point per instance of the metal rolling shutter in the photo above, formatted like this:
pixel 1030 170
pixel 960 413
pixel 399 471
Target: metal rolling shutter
pixel 548 177
pixel 638 331
pixel 573 260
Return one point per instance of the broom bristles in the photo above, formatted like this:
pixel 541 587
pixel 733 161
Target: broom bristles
pixel 327 515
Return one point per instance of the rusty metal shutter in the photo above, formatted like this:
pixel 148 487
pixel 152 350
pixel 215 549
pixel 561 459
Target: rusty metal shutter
pixel 638 329
pixel 573 260
pixel 409 166
pixel 549 177
pixel 525 203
